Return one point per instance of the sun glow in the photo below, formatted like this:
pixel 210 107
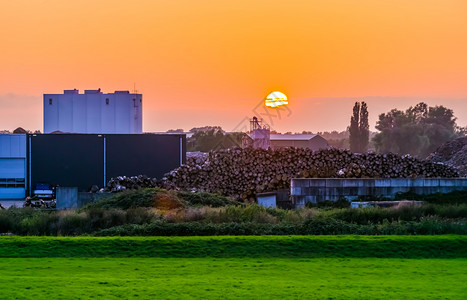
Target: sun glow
pixel 276 99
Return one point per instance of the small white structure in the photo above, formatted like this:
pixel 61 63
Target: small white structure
pixel 12 166
pixel 93 112
pixel 267 199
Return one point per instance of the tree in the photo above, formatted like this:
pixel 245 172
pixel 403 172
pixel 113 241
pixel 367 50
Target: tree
pixel 206 141
pixel 206 129
pixel 417 131
pixel 175 131
pixel 364 128
pixel 359 128
pixel 20 130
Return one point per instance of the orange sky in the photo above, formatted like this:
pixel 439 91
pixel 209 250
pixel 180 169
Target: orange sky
pixel 211 62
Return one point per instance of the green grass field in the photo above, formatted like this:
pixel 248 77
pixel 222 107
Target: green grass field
pixel 297 267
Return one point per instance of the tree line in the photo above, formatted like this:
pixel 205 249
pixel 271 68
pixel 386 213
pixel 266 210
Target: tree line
pixel 418 131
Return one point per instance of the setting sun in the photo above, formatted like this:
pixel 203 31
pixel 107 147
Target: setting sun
pixel 276 99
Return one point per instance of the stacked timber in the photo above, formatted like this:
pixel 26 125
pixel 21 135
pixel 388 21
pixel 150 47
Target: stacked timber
pixel 122 183
pixel 241 173
pixel 196 157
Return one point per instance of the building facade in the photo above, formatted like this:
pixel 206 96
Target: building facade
pixel 93 112
pixel 310 141
pixel 12 166
pixel 83 160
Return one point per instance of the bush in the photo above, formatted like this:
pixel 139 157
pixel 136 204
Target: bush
pixel 341 203
pixel 428 226
pixel 237 220
pixel 128 199
pixel 72 223
pixel 205 199
pixel 454 197
pixel 38 224
pixel 198 229
pixel 159 198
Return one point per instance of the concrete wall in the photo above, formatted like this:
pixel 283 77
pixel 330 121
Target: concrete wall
pixel 93 112
pixel 70 198
pixel 315 190
pixel 67 197
pixel 85 198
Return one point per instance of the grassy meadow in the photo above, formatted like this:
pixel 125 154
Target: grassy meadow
pixel 241 267
pixel 233 278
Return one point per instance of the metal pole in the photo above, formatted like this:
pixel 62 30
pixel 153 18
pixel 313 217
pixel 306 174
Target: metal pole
pixel 105 182
pixel 181 151
pixel 29 179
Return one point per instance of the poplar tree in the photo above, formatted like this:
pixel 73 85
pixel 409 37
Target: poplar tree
pixel 364 128
pixel 359 128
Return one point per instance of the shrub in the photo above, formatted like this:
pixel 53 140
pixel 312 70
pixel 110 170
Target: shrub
pixel 159 198
pixel 205 199
pixel 341 203
pixel 128 199
pixel 72 223
pixel 140 215
pixel 454 197
pixel 38 224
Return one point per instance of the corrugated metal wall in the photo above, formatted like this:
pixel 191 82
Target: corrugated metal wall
pixel 12 166
pixel 113 113
pixel 84 160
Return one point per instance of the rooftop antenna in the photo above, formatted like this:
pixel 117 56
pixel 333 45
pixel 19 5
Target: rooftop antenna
pixel 134 88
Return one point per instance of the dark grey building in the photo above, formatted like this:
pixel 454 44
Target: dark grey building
pixel 84 160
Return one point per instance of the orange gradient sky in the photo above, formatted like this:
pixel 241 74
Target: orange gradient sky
pixel 211 62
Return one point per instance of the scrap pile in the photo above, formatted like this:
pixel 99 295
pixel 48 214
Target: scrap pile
pixel 121 183
pixel 241 173
pixel 453 153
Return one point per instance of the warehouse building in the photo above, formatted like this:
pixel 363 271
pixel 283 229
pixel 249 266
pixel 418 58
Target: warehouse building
pixel 83 160
pixel 96 137
pixel 93 112
pixel 310 141
pixel 12 166
pixel 277 141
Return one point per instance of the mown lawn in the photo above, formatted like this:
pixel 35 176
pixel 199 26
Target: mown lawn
pixel 253 267
pixel 230 278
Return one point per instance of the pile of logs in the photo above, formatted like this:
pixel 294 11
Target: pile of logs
pixel 241 173
pixel 197 157
pixel 122 183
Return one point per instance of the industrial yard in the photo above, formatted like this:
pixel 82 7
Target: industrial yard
pixel 111 212
pixel 233 149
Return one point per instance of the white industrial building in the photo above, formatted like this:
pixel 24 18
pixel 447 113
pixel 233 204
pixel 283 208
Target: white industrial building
pixel 12 166
pixel 93 112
